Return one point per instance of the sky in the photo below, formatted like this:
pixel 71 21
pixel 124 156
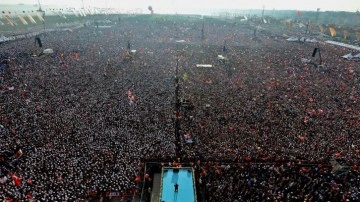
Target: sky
pixel 178 5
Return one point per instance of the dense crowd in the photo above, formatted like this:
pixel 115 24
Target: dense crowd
pixel 80 122
pixel 277 182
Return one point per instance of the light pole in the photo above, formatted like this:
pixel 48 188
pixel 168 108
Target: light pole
pixel 43 14
pixel 317 14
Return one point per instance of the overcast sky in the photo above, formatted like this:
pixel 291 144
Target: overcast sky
pixel 325 5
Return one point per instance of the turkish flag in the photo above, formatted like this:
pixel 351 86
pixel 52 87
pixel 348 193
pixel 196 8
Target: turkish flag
pixel 16 180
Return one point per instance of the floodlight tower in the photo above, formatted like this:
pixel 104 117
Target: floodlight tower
pixel 317 14
pixel 39 5
pixel 43 13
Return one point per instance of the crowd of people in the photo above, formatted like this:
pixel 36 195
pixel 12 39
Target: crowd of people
pixel 81 122
pixel 277 182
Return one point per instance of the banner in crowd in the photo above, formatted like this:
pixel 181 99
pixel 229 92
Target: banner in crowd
pixel 346 34
pixel 332 31
pixel 40 17
pixel 10 21
pixel 31 19
pixel 22 20
pixel 289 24
pixel 358 35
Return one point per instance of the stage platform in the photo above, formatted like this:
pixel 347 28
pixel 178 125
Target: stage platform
pixel 184 177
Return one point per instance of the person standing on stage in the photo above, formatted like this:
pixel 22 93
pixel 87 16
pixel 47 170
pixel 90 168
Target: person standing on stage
pixel 176 187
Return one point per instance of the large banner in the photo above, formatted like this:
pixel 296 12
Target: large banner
pixel 332 31
pixel 346 34
pixel 358 35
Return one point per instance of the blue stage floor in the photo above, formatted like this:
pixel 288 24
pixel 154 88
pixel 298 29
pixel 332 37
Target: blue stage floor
pixel 184 178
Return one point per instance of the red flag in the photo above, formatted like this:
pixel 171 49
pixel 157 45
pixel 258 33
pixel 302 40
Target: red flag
pixel 29 196
pixel 304 169
pixel 18 154
pixel 16 180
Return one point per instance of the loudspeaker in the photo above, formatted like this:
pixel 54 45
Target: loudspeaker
pixel 314 52
pixel 38 40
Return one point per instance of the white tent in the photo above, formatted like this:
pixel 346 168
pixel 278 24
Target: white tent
pixel 311 40
pixel 344 45
pixel 356 57
pixel 203 65
pixel 220 57
pixel 293 38
pixel 133 52
pixel 48 51
pixel 244 19
pixel 302 39
pixel 348 56
pixel 305 61
pixel 104 27
pixel 3 38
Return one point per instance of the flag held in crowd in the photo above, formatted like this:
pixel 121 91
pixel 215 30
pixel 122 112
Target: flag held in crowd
pixel 358 35
pixel 16 180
